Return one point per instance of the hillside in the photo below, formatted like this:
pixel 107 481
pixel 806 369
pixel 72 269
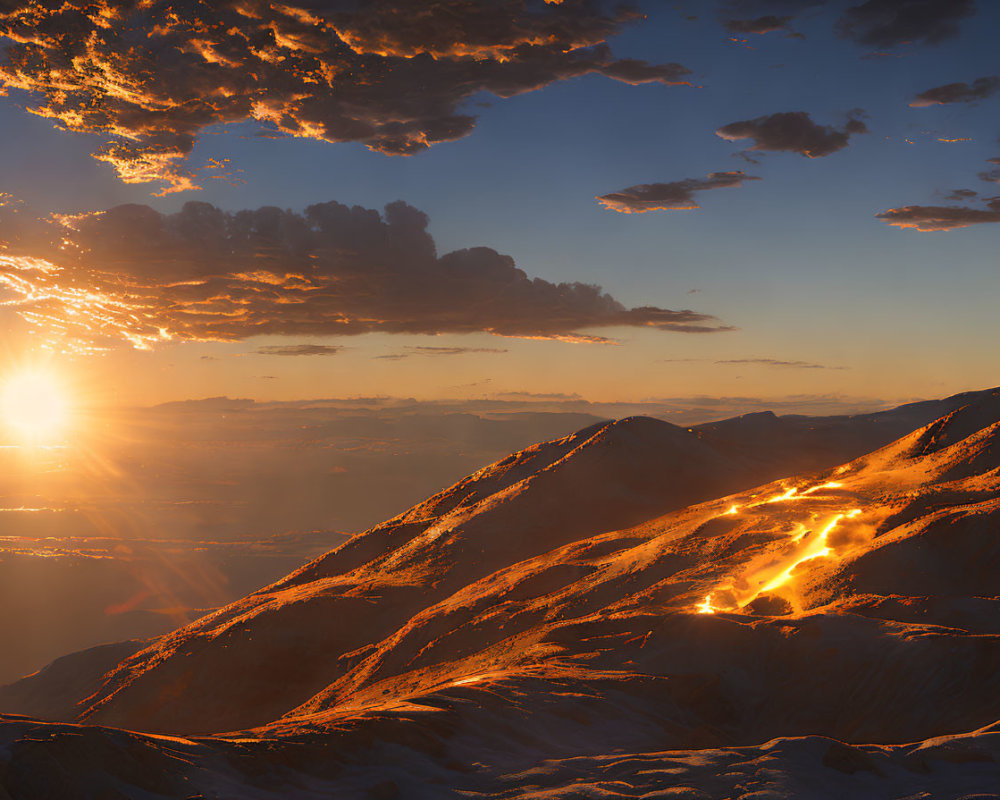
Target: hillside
pixel 599 616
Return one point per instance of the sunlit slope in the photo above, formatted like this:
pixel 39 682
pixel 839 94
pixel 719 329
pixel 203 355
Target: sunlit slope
pixel 261 657
pixel 774 612
pixel 768 612
pixel 779 642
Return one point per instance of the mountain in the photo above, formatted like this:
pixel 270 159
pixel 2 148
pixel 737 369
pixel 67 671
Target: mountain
pixel 619 613
pixel 290 640
pixel 791 444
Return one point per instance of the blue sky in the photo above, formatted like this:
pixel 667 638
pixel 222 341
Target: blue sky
pixel 796 261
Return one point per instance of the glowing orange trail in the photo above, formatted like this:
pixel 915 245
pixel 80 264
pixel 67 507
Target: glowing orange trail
pixel 705 607
pixel 818 549
pixel 795 494
pixel 773 576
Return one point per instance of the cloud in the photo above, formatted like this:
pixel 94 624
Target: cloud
pixel 886 23
pixel 979 89
pixel 675 196
pixel 521 395
pixel 426 350
pixel 875 23
pixel 154 75
pixel 961 194
pixel 942 218
pixel 773 362
pixel 134 274
pixel 990 176
pixel 763 362
pixel 763 16
pixel 792 131
pixel 299 350
pixel 760 25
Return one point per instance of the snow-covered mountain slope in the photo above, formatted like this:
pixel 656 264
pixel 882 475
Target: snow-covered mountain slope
pixel 589 618
pixel 261 657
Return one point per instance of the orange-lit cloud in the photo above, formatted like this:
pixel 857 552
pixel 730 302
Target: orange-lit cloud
pixel 133 274
pixel 759 25
pixel 392 74
pixel 979 89
pixel 793 131
pixel 942 218
pixel 79 311
pixel 675 196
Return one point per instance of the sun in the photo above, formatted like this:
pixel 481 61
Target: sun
pixel 33 406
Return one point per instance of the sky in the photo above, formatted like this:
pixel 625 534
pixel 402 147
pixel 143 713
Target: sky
pixel 777 198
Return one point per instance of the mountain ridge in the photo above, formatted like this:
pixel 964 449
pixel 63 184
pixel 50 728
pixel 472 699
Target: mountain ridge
pixel 502 637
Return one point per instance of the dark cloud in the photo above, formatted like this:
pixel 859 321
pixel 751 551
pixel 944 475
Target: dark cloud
pixel 875 23
pixel 961 194
pixel 942 218
pixel 979 89
pixel 205 274
pixel 675 196
pixel 886 23
pixel 990 176
pixel 392 74
pixel 763 16
pixel 760 25
pixel 792 131
pixel 299 350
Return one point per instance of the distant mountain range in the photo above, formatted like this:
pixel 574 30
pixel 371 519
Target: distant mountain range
pixel 763 607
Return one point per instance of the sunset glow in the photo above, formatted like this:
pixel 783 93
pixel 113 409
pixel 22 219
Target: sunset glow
pixel 499 399
pixel 34 407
